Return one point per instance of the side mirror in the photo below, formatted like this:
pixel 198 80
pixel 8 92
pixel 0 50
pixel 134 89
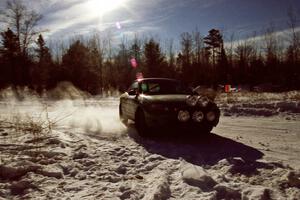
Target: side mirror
pixel 132 92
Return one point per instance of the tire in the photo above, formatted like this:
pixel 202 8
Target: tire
pixel 202 132
pixel 207 129
pixel 123 119
pixel 140 123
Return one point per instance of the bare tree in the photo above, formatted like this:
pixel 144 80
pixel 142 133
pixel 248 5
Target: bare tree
pixel 230 48
pixel 198 46
pixel 294 49
pixel 187 48
pixel 244 51
pixel 23 22
pixel 271 45
pixel 170 53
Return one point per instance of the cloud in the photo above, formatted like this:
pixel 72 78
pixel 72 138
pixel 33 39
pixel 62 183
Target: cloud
pixel 59 17
pixel 283 37
pixel 209 3
pixel 135 16
pixel 167 18
pixel 69 17
pixel 77 18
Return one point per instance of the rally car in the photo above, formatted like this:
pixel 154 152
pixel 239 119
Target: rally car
pixel 163 103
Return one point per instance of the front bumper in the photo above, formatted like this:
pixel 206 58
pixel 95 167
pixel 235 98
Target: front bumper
pixel 170 121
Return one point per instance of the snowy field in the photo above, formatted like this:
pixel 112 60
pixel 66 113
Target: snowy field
pixel 79 150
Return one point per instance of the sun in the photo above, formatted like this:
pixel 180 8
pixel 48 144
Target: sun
pixel 100 7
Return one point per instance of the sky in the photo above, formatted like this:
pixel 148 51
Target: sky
pixel 165 19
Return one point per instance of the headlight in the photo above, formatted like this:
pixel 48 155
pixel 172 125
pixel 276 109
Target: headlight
pixel 198 116
pixel 203 101
pixel 183 116
pixel 210 116
pixel 192 100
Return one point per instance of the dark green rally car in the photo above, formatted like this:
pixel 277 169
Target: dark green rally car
pixel 167 103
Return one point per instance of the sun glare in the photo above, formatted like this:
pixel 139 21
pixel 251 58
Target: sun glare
pixel 99 7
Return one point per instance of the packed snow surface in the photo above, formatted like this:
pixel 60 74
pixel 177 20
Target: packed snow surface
pixel 82 151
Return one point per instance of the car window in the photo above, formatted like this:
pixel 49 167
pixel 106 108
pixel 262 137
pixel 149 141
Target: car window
pixel 150 87
pixel 134 87
pixel 144 87
pixel 163 87
pixel 154 87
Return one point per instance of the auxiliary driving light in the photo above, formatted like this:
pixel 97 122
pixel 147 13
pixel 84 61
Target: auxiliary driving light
pixel 198 116
pixel 192 100
pixel 183 116
pixel 210 116
pixel 203 101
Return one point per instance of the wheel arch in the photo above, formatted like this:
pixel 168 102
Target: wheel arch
pixel 138 109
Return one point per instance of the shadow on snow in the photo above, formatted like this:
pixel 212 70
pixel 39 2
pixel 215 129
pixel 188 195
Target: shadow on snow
pixel 199 150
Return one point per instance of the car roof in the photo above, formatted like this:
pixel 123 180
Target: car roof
pixel 157 79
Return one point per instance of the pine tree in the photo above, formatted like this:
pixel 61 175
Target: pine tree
pixel 214 43
pixel 124 71
pixel 155 64
pixel 215 47
pixel 41 73
pixel 11 73
pixel 76 66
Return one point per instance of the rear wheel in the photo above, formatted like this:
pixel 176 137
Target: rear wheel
pixel 123 119
pixel 140 123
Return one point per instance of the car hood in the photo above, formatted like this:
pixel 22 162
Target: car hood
pixel 178 98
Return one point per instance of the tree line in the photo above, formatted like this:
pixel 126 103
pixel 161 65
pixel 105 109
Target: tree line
pixel 94 65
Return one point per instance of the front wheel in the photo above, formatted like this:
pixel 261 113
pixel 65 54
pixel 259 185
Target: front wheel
pixel 208 129
pixel 205 131
pixel 140 123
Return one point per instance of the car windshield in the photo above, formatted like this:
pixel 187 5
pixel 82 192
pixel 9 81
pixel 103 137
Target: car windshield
pixel 156 87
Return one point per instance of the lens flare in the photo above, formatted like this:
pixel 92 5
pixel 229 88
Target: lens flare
pixel 133 62
pixel 118 25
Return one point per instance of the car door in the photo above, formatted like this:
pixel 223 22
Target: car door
pixel 132 100
pixel 124 104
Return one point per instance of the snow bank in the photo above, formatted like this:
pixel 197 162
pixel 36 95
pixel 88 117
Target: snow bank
pixel 259 104
pixel 66 90
pixel 260 108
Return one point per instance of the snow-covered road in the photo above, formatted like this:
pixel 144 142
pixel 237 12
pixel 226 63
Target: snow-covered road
pixel 91 155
